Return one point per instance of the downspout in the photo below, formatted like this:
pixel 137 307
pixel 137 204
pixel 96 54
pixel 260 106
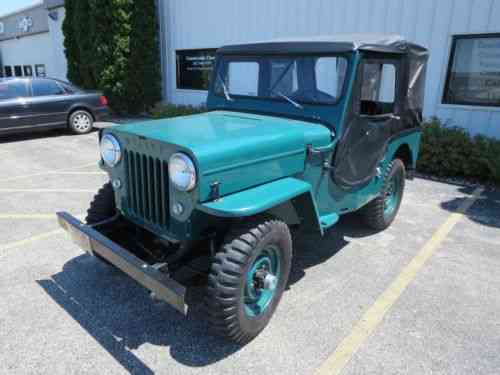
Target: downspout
pixel 162 40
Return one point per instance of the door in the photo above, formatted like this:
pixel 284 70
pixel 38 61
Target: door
pixel 15 111
pixel 49 102
pixel 375 118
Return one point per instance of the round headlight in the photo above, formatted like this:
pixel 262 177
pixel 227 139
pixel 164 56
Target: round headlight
pixel 182 172
pixel 111 151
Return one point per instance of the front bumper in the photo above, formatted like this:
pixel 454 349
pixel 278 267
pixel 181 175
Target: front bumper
pixel 94 242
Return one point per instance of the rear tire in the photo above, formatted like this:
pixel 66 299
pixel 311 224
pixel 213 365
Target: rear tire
pixel 247 279
pixel 80 122
pixel 380 212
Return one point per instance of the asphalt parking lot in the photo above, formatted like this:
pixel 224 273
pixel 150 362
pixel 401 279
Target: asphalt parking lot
pixel 420 298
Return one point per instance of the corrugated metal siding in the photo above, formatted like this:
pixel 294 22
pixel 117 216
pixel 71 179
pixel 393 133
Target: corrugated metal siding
pixel 197 24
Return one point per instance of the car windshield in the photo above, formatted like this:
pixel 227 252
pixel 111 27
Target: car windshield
pixel 294 79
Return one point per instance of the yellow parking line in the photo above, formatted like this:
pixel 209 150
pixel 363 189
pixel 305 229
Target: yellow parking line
pixel 47 191
pixel 336 362
pixel 47 172
pixel 80 173
pixel 27 216
pixel 29 240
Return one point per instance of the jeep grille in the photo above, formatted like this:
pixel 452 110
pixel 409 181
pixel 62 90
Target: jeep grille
pixel 147 188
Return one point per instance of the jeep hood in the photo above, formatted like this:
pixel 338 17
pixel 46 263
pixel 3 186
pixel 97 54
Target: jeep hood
pixel 237 150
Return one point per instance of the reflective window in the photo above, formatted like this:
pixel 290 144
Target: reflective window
pixel 474 71
pixel 42 87
pixel 18 71
pixel 8 71
pixel 194 68
pixel 13 90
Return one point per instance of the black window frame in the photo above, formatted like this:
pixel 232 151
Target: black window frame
pixel 27 68
pixel 178 72
pixel 44 71
pixel 20 69
pixel 451 59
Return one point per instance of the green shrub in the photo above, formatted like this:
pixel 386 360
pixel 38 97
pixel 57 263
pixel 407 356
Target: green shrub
pixel 171 110
pixel 448 151
pixel 112 45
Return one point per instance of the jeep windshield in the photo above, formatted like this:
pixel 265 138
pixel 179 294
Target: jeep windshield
pixel 294 79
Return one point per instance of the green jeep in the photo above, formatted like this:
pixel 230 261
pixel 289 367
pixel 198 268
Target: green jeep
pixel 297 133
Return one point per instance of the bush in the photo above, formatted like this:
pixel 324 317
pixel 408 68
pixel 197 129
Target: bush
pixel 171 110
pixel 112 45
pixel 448 151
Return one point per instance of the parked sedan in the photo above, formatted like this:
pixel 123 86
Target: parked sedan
pixel 28 104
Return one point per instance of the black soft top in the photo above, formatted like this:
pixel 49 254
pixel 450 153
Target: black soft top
pixel 386 43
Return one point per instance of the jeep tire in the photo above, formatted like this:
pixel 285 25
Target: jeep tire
pixel 101 208
pixel 247 278
pixel 380 212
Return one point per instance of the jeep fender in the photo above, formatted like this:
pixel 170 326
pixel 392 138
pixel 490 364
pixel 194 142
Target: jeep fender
pixel 288 198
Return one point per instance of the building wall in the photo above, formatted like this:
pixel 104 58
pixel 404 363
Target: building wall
pixel 42 43
pixel 192 24
pixel 59 66
pixel 32 50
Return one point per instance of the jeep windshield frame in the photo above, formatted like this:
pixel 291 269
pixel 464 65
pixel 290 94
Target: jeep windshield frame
pixel 296 79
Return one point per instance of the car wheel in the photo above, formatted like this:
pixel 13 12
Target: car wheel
pixel 247 279
pixel 80 122
pixel 380 213
pixel 101 208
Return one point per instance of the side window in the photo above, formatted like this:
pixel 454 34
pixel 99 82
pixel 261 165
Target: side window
pixel 42 87
pixel 13 90
pixel 378 91
pixel 8 71
pixel 243 78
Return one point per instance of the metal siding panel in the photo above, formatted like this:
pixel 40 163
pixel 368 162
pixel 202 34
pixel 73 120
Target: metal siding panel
pixel 438 59
pixel 479 15
pixel 494 16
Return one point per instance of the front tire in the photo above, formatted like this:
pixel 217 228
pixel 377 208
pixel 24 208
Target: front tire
pixel 101 208
pixel 381 212
pixel 247 279
pixel 80 122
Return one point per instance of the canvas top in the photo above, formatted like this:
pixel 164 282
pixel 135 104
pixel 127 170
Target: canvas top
pixel 386 43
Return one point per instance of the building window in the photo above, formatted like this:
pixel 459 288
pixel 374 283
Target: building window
pixel 40 70
pixel 474 71
pixel 18 71
pixel 28 71
pixel 8 71
pixel 194 68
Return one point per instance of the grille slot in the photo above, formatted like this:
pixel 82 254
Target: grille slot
pixel 147 188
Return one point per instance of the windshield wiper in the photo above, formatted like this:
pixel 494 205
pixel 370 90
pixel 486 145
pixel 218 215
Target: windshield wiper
pixel 224 88
pixel 291 101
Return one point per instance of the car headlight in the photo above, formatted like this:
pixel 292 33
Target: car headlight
pixel 111 151
pixel 182 172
